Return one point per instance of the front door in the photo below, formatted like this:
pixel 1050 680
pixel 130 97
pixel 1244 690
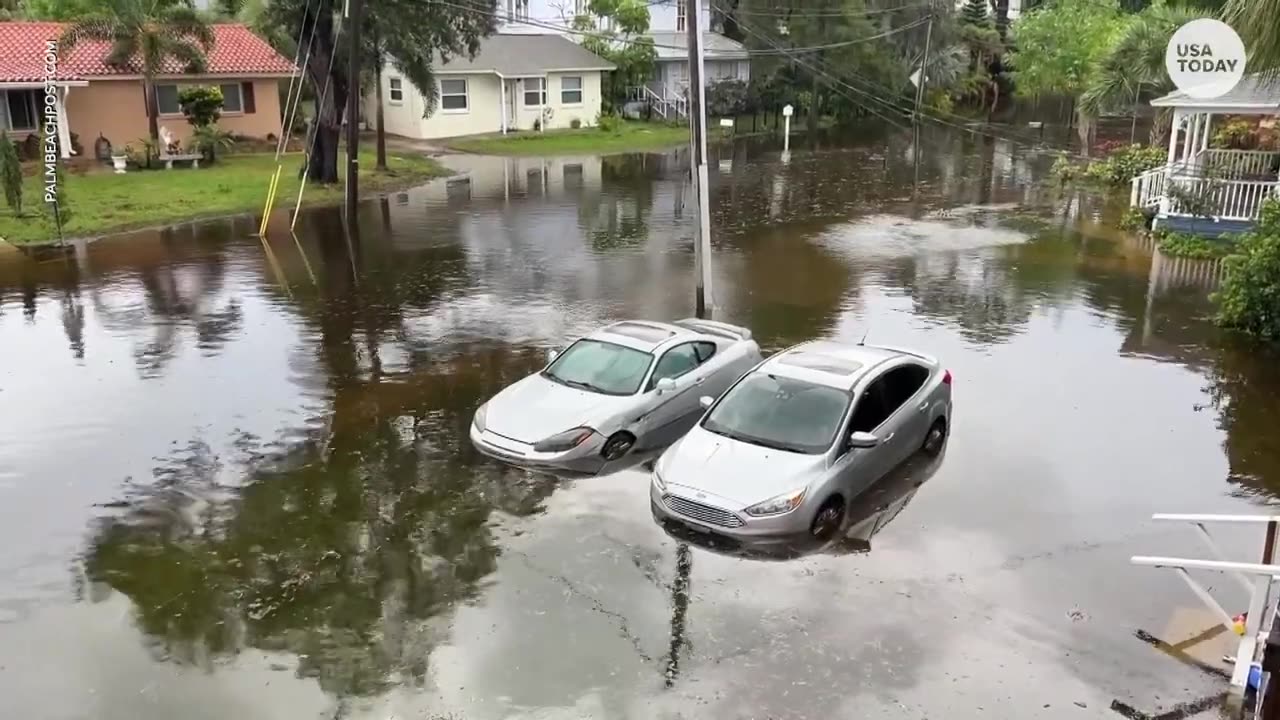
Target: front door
pixel 675 411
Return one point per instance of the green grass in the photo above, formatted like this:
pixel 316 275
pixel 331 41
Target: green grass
pixel 630 135
pixel 103 202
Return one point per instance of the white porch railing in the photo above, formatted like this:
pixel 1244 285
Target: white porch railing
pixel 670 103
pixel 1147 190
pixel 1220 199
pixel 1238 164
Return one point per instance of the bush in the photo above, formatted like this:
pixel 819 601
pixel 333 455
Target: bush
pixel 609 123
pixel 201 104
pixel 575 124
pixel 11 175
pixel 1250 296
pixel 1124 164
pixel 1133 220
pixel 1195 247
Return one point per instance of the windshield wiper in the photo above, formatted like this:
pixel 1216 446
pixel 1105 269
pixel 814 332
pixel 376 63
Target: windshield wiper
pixel 751 439
pixel 584 385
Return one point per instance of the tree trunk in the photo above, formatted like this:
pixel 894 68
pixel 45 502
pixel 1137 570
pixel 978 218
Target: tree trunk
pixel 1002 19
pixel 379 120
pixel 813 108
pixel 323 167
pixel 1084 129
pixel 329 102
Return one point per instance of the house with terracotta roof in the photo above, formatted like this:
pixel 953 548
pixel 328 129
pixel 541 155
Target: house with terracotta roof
pixel 94 99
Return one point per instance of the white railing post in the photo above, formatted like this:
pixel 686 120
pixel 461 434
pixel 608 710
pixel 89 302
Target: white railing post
pixel 1134 184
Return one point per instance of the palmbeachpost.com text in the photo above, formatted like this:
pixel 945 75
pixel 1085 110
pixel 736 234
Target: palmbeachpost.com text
pixel 51 128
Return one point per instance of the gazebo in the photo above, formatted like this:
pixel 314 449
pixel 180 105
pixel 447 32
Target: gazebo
pixel 1207 190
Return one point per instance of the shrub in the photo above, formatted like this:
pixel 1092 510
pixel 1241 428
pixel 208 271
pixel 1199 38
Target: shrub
pixel 575 123
pixel 209 139
pixel 1133 220
pixel 1195 247
pixel 1249 299
pixel 1124 164
pixel 609 123
pixel 11 175
pixel 1236 133
pixel 201 104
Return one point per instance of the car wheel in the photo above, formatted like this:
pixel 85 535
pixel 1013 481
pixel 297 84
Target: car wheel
pixel 617 445
pixel 936 438
pixel 826 523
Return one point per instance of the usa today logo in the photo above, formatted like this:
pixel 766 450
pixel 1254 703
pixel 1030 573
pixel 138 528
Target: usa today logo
pixel 1205 58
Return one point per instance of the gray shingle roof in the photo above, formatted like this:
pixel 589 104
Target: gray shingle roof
pixel 1252 92
pixel 524 55
pixel 714 45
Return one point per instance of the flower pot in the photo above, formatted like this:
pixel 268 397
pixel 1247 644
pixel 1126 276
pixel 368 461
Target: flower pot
pixel 119 162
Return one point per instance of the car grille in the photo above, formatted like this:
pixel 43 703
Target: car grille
pixel 704 513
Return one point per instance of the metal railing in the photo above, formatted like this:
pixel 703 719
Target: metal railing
pixel 1255 578
pixel 1239 164
pixel 1183 190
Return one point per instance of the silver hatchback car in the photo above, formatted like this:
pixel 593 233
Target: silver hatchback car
pixel 787 448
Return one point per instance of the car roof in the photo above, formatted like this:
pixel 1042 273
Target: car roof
pixel 646 335
pixel 834 364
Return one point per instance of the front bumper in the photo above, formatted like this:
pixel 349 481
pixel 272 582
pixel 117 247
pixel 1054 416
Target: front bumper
pixel 584 458
pixel 711 515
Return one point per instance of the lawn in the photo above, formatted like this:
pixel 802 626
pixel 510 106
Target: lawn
pixel 630 135
pixel 103 202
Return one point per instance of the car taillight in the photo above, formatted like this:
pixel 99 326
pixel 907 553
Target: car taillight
pixel 946 377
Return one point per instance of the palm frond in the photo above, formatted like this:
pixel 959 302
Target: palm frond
pixel 1259 22
pixel 89 28
pixel 123 49
pixel 181 21
pixel 190 55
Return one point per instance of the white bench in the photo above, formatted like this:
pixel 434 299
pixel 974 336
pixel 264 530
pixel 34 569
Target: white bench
pixel 193 158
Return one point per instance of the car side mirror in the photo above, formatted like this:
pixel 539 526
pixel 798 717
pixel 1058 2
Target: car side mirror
pixel 552 355
pixel 863 440
pixel 705 401
pixel 665 385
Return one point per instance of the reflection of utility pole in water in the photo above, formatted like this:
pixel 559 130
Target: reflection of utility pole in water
pixel 698 161
pixel 915 161
pixel 679 609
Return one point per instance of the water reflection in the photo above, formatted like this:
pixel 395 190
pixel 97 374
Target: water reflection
pixel 316 498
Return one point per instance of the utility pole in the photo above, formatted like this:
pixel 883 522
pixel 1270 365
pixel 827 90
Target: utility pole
pixel 698 159
pixel 354 16
pixel 924 65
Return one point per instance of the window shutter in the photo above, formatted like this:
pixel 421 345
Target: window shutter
pixel 246 97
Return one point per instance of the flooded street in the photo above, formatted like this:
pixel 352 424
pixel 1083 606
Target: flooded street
pixel 236 481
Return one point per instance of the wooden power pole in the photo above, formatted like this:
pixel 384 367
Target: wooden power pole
pixel 698 159
pixel 355 16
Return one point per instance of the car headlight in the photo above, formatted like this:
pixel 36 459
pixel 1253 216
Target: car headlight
pixel 777 505
pixel 658 481
pixel 567 440
pixel 478 420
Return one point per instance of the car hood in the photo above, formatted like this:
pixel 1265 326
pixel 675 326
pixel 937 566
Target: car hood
pixel 739 472
pixel 536 408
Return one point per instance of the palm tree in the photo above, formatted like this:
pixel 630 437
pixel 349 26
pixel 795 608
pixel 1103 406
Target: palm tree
pixel 144 36
pixel 1135 65
pixel 1259 22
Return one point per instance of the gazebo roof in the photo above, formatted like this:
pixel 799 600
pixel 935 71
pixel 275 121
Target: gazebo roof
pixel 1253 95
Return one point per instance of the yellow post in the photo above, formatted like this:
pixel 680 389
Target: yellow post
pixel 271 197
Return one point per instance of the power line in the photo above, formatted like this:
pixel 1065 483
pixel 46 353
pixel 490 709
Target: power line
pixel 683 48
pixel 792 14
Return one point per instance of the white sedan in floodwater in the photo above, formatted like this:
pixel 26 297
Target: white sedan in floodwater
pixel 787 449
pixel 633 385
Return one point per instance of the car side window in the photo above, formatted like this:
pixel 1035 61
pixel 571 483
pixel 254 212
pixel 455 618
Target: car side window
pixel 676 362
pixel 704 350
pixel 901 383
pixel 871 409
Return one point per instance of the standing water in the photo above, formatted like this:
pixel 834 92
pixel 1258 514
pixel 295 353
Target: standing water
pixel 236 480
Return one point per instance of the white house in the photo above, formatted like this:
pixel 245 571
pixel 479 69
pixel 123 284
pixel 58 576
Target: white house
pixel 723 57
pixel 515 82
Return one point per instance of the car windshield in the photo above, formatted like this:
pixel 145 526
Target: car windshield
pixel 601 367
pixel 780 413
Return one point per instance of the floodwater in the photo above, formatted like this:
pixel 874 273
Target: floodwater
pixel 235 478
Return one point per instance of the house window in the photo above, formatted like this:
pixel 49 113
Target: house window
pixel 453 95
pixel 232 98
pixel 167 100
pixel 535 92
pixel 571 90
pixel 679 15
pixel 520 9
pixel 396 94
pixel 20 110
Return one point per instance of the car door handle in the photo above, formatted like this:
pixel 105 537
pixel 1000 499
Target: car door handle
pixel 887 438
pixel 698 381
pixel 923 406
